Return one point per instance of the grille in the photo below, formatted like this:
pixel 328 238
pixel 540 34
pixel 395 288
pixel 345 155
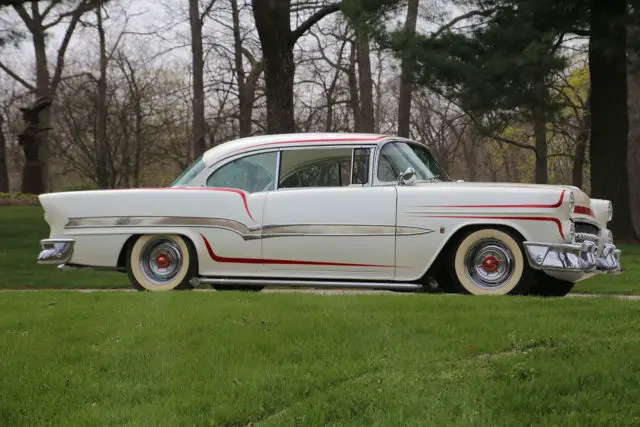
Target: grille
pixel 586 228
pixel 586 231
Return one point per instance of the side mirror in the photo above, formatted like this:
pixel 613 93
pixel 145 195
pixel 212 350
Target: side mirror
pixel 408 177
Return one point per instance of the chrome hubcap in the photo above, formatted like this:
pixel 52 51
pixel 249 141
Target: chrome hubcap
pixel 489 264
pixel 161 260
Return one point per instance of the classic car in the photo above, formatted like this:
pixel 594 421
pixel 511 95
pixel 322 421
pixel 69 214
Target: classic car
pixel 334 210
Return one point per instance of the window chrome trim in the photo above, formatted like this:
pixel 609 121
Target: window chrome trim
pixel 277 176
pixel 202 178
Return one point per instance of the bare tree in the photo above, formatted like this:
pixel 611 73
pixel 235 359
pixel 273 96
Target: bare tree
pixel 404 99
pixel 196 21
pixel 277 39
pixel 247 82
pixel 46 85
pixel 4 171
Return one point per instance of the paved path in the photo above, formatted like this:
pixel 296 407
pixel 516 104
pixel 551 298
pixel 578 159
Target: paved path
pixel 312 291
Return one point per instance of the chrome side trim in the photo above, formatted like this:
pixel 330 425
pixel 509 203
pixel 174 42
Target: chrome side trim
pixel 55 251
pixel 582 257
pixel 196 281
pixel 247 232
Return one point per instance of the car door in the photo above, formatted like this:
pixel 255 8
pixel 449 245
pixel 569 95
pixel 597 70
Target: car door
pixel 331 227
pixel 237 193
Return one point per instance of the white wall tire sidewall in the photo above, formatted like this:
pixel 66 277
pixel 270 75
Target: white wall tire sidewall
pixel 472 239
pixel 141 278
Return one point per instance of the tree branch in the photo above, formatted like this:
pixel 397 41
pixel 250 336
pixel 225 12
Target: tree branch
pixel 462 17
pixel 206 11
pixel 22 12
pixel 77 14
pixel 314 19
pixel 17 78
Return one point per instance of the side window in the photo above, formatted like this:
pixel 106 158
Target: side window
pixel 324 167
pixel 252 173
pixel 315 167
pixel 361 162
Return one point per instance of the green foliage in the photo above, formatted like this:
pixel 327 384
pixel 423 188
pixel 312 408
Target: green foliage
pixel 369 15
pixel 18 196
pixel 503 65
pixel 80 187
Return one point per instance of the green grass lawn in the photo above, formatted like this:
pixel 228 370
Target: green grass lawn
pixel 22 227
pixel 230 359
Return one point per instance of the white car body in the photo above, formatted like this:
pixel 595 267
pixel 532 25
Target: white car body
pixel 380 233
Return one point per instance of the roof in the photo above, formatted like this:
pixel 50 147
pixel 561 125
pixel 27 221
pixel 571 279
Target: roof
pixel 276 140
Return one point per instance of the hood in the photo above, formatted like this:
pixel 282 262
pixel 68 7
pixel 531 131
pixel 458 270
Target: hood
pixel 581 198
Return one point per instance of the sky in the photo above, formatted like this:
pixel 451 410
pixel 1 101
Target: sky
pixel 156 27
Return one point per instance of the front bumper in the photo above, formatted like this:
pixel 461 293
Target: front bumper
pixel 55 251
pixel 581 257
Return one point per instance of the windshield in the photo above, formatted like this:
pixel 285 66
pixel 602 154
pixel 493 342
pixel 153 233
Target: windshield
pixel 396 157
pixel 187 176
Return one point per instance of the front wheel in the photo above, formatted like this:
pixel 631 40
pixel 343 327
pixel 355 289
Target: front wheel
pixel 490 262
pixel 161 263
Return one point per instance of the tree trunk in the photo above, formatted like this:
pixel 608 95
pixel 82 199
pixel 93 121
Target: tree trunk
pixel 199 125
pixel 245 107
pixel 634 133
pixel 273 22
pixel 273 25
pixel 102 149
pixel 404 99
pixel 581 147
pixel 354 97
pixel 540 132
pixel 365 82
pixel 35 173
pixel 609 118
pixel 4 172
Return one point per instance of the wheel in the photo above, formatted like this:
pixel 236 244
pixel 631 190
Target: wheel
pixel 161 263
pixel 490 262
pixel 238 288
pixel 547 286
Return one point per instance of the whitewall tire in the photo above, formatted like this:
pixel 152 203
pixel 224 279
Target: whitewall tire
pixel 161 263
pixel 490 261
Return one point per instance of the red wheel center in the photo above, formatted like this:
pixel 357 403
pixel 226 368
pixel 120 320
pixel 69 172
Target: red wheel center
pixel 490 264
pixel 163 261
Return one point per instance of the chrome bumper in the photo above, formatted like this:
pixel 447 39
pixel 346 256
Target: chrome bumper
pixel 55 251
pixel 574 257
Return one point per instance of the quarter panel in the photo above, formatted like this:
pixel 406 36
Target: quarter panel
pixel 102 220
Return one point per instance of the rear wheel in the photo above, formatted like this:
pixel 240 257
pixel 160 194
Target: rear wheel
pixel 490 261
pixel 548 286
pixel 161 263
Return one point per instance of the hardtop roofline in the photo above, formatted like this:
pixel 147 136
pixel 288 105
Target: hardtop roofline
pixel 238 146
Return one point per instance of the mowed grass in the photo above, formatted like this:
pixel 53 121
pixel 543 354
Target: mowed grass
pixel 231 359
pixel 22 227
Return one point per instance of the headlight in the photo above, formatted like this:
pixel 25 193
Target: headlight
pixel 571 202
pixel 610 212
